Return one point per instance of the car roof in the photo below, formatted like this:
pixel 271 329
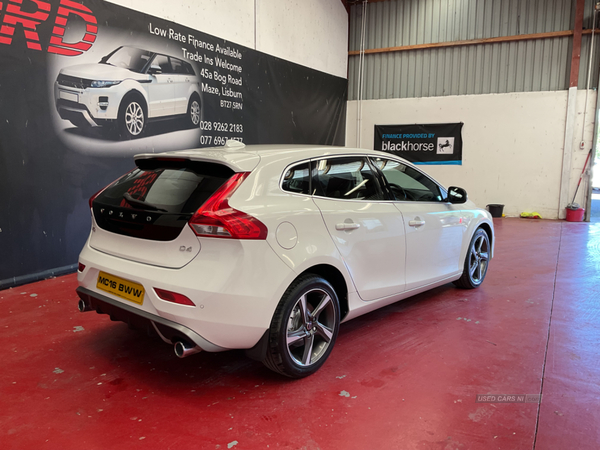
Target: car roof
pixel 240 157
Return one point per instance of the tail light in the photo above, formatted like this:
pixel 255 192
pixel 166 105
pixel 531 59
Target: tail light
pixel 173 297
pixel 216 218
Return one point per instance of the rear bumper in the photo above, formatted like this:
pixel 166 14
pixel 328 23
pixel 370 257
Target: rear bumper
pixel 235 285
pixel 168 330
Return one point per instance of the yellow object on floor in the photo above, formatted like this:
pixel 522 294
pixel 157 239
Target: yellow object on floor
pixel 531 215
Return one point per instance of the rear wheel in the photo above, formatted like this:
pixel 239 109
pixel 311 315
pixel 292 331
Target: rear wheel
pixel 304 328
pixel 476 261
pixel 194 112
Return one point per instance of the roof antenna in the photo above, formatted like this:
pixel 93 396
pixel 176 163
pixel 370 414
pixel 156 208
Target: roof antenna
pixel 232 144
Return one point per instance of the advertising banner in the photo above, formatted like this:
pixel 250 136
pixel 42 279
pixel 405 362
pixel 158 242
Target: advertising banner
pixel 422 144
pixel 85 85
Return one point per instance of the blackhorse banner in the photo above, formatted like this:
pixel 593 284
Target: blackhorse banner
pixel 439 143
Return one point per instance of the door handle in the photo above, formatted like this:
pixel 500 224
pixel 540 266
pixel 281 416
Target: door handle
pixel 347 226
pixel 416 223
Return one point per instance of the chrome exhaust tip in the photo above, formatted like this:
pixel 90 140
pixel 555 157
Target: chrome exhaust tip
pixel 182 350
pixel 82 306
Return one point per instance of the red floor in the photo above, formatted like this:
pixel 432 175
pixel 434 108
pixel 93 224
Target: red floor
pixel 404 377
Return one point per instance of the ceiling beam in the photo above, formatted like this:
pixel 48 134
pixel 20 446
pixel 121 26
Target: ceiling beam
pixel 493 40
pixel 348 3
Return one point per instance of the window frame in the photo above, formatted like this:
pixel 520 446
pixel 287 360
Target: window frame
pixel 378 173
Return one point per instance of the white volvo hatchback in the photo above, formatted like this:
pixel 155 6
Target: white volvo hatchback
pixel 270 248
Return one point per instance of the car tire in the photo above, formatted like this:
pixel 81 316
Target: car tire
pixel 476 261
pixel 194 111
pixel 132 117
pixel 304 327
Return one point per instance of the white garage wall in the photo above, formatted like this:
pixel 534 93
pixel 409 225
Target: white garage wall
pixel 512 143
pixel 313 33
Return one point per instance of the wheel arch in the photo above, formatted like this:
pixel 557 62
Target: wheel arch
pixel 191 97
pixel 194 92
pixel 329 273
pixel 336 279
pixel 135 93
pixel 488 229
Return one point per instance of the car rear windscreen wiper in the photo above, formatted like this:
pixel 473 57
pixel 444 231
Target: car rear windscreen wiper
pixel 134 202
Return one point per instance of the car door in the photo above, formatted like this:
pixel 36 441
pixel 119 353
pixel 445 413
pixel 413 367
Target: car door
pixel 161 90
pixel 182 80
pixel 367 230
pixel 434 228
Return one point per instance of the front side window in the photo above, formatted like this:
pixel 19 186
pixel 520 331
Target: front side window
pixel 347 178
pixel 130 58
pixel 163 62
pixel 408 184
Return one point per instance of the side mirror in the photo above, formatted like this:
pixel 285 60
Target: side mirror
pixel 154 70
pixel 456 195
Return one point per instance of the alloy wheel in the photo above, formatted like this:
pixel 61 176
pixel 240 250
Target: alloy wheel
pixel 134 118
pixel 479 258
pixel 195 113
pixel 310 327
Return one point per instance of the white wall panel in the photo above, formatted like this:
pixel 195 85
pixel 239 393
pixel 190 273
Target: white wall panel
pixel 232 20
pixel 512 143
pixel 313 33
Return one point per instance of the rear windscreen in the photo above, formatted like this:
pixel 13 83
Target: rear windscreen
pixel 155 200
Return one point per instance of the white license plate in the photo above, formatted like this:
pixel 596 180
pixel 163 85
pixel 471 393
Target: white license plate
pixel 72 97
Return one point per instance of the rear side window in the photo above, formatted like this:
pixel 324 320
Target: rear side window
pixel 155 200
pixel 297 179
pixel 181 67
pixel 348 178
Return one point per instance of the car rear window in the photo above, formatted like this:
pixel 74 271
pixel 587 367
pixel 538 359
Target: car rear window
pixel 155 200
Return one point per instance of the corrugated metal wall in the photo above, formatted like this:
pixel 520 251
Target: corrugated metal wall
pixel 532 65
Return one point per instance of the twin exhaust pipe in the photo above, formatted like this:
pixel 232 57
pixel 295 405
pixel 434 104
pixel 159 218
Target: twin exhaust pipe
pixel 181 349
pixel 82 306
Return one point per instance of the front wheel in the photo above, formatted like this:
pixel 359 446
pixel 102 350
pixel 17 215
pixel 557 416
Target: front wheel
pixel 304 328
pixel 476 261
pixel 132 118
